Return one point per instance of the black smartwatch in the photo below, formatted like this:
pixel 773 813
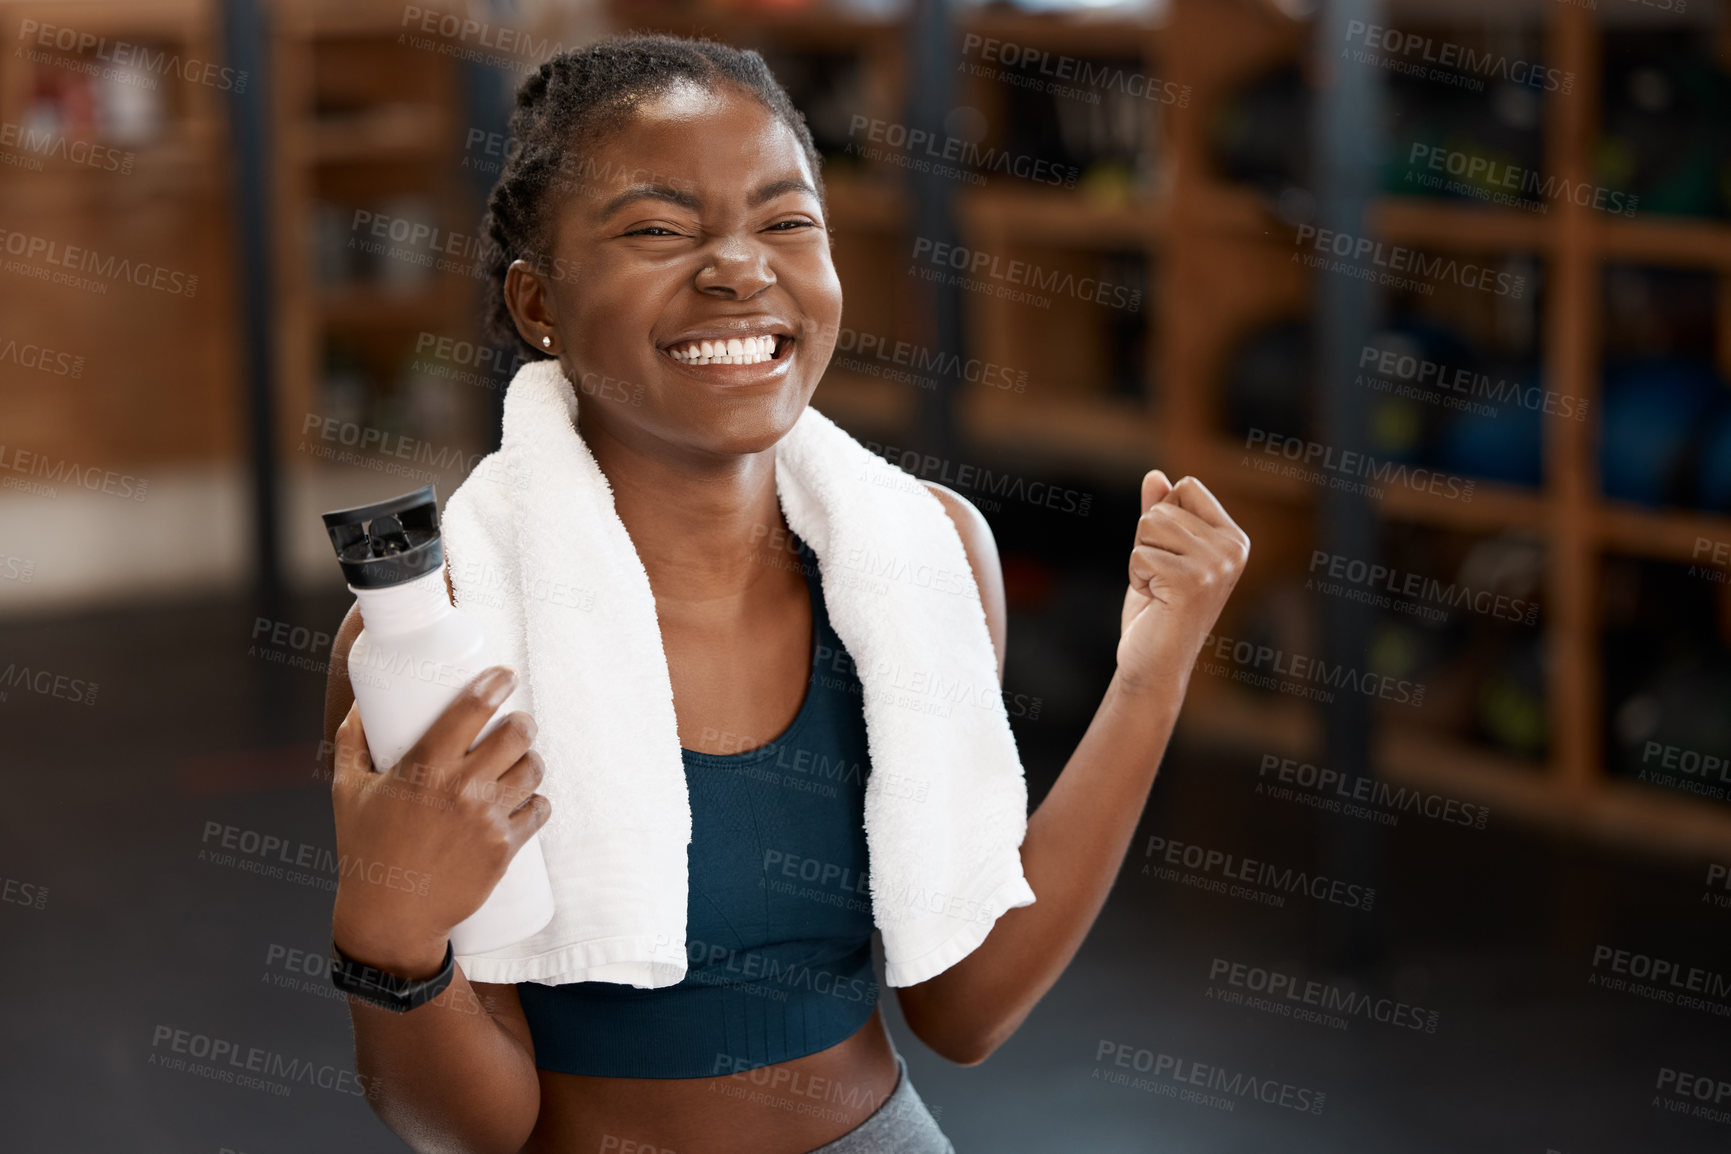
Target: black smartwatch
pixel 388 991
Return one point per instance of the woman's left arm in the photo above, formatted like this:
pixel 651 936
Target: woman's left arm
pixel 1188 555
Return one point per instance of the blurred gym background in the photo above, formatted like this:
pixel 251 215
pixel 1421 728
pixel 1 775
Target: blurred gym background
pixel 1483 244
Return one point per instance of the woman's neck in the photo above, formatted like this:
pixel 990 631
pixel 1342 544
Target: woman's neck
pixel 706 527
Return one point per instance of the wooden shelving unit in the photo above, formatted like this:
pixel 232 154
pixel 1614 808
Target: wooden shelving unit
pixel 1220 265
pixel 365 121
pixel 145 182
pixel 1571 789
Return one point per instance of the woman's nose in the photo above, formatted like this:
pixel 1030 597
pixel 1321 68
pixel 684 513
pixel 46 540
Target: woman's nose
pixel 737 269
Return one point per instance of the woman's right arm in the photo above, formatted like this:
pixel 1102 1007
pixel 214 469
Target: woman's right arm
pixel 456 1075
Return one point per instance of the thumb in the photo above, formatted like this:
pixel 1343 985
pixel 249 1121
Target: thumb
pixel 1155 487
pixel 351 761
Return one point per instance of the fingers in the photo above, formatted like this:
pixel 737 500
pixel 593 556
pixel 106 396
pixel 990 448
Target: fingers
pixel 528 820
pixel 1192 506
pixel 1169 527
pixel 1152 568
pixel 1192 495
pixel 454 731
pixel 1155 486
pixel 500 751
pixel 516 784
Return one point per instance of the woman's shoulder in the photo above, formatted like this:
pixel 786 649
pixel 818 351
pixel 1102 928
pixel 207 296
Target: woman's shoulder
pixel 982 551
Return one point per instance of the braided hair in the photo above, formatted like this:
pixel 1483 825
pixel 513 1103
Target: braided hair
pixel 570 104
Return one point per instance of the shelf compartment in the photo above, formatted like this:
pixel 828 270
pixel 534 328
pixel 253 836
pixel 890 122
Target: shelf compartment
pixel 1106 435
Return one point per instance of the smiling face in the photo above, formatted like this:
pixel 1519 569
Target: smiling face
pixel 693 225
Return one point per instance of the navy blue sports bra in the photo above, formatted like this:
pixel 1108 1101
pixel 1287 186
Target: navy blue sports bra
pixel 779 917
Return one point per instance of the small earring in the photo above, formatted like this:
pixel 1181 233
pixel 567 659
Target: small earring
pixel 546 342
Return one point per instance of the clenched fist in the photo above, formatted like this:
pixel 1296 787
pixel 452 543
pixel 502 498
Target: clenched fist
pixel 1188 556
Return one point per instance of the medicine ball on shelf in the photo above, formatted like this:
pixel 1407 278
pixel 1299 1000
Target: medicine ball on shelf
pixel 1653 413
pixel 1713 465
pixel 1408 407
pixel 1504 444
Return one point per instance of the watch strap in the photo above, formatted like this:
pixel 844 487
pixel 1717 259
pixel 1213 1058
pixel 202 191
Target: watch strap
pixel 387 990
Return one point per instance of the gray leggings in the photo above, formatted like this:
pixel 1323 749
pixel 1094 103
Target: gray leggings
pixel 902 1125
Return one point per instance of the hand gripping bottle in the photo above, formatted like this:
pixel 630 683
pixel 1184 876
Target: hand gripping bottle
pixel 414 653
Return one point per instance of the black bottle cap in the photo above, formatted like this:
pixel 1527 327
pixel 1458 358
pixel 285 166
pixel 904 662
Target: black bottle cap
pixel 389 542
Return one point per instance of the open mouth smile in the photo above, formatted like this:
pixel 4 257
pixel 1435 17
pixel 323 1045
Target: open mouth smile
pixel 756 349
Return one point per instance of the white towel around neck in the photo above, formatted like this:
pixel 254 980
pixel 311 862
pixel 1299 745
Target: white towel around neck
pixel 539 556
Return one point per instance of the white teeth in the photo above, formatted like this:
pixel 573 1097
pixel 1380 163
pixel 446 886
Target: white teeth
pixel 731 351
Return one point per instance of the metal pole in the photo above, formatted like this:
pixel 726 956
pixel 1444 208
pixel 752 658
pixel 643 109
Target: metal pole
pixel 1346 153
pixel 246 41
pixel 932 56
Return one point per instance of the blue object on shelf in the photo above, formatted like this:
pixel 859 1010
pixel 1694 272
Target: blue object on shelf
pixel 1713 467
pixel 1505 445
pixel 1651 414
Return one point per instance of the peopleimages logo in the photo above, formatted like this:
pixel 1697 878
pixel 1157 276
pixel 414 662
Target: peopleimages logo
pixel 229 1061
pixel 1302 673
pixel 28 247
pixel 973 263
pixel 17 892
pixel 1349 466
pixel 124 57
pixel 1027 67
pixel 1352 250
pixel 37 143
pixel 1456 385
pixel 1306 1000
pixel 1704 1096
pixel 46 683
pixel 908 141
pixel 1661 980
pixel 1185 1073
pixel 1368 582
pixel 1718 874
pixel 876 355
pixel 1230 867
pixel 724 965
pixel 1331 789
pixel 1403 47
pixel 974 478
pixel 37 474
pixel 1484 178
pixel 44 360
pixel 267 855
pixel 475 41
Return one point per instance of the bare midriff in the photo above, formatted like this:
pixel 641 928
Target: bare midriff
pixel 787 1108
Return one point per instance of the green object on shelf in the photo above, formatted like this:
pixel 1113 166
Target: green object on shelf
pixel 1511 715
pixel 1511 703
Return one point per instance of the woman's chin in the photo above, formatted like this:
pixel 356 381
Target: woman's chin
pixel 746 424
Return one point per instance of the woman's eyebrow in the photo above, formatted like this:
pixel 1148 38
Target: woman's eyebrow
pixel 679 196
pixel 775 188
pixel 687 199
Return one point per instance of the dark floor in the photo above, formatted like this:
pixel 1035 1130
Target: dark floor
pixel 108 805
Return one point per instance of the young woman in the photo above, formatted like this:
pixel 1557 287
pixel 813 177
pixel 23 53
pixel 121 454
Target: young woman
pixel 661 193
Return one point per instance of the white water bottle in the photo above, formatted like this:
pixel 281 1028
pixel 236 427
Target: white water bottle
pixel 414 653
